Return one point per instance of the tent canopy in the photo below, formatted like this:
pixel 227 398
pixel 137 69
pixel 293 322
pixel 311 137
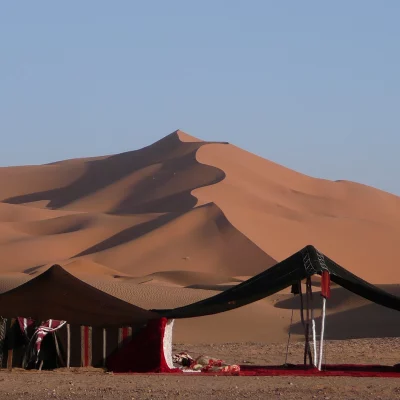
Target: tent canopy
pixel 56 294
pixel 307 262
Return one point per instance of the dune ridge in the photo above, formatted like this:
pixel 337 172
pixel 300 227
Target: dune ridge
pixel 182 219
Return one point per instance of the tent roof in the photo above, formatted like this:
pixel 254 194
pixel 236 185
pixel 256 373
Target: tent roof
pixel 56 294
pixel 59 295
pixel 308 261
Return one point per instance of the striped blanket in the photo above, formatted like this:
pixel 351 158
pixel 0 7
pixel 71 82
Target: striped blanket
pixel 35 334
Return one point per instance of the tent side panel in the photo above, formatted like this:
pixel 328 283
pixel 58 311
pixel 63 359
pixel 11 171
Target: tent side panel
pixel 14 340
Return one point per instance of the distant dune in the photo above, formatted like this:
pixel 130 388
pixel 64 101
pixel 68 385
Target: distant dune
pixel 181 219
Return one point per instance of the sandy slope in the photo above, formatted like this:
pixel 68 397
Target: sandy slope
pixel 281 211
pixel 181 219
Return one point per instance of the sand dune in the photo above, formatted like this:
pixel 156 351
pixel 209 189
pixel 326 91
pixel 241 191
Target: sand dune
pixel 182 219
pixel 281 211
pixel 22 213
pixel 199 240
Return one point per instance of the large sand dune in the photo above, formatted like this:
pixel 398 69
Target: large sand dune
pixel 182 219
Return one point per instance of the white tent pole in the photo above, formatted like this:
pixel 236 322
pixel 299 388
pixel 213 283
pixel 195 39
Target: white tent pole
pixel 321 344
pixel 104 347
pixel 314 338
pixel 68 345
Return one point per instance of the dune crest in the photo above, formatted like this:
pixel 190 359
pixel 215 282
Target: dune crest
pixel 281 211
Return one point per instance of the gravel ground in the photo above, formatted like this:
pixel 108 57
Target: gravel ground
pixel 97 384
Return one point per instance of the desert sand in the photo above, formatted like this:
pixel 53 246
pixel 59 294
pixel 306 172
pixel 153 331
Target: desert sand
pixel 182 219
pixel 82 383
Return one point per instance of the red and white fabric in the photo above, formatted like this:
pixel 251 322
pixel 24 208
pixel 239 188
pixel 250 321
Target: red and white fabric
pixel 36 334
pixel 124 336
pixel 147 351
pixel 86 346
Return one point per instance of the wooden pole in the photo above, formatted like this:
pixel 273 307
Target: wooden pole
pixel 321 343
pixel 11 351
pixel 104 347
pixel 3 329
pixel 314 334
pixel 68 345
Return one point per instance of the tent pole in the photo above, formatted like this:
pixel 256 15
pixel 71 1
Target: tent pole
pixel 11 351
pixel 104 347
pixel 314 338
pixel 68 345
pixel 302 320
pixel 58 349
pixel 295 290
pixel 321 344
pixel 290 333
pixel 308 296
pixel 307 350
pixel 3 328
pixel 325 293
pixel 307 321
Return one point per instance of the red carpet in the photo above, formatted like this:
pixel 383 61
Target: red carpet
pixel 327 370
pixel 381 371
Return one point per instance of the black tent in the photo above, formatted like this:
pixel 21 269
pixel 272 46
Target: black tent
pixel 56 294
pixel 59 295
pixel 305 263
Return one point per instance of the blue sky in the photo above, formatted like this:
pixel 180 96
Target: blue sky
pixel 312 85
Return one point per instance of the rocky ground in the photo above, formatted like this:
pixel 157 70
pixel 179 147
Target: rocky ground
pixel 97 384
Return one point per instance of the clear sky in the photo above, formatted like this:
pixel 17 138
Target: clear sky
pixel 313 85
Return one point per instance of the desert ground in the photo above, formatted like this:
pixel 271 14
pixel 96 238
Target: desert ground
pixel 97 384
pixel 183 219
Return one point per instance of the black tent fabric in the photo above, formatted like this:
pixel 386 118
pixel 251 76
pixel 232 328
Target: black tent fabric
pixel 56 294
pixel 307 262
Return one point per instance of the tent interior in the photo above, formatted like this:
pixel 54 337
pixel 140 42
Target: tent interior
pixel 53 329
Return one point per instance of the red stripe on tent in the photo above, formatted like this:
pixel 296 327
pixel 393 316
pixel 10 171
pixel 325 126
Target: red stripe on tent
pixel 86 346
pixel 326 284
pixel 143 354
pixel 124 335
